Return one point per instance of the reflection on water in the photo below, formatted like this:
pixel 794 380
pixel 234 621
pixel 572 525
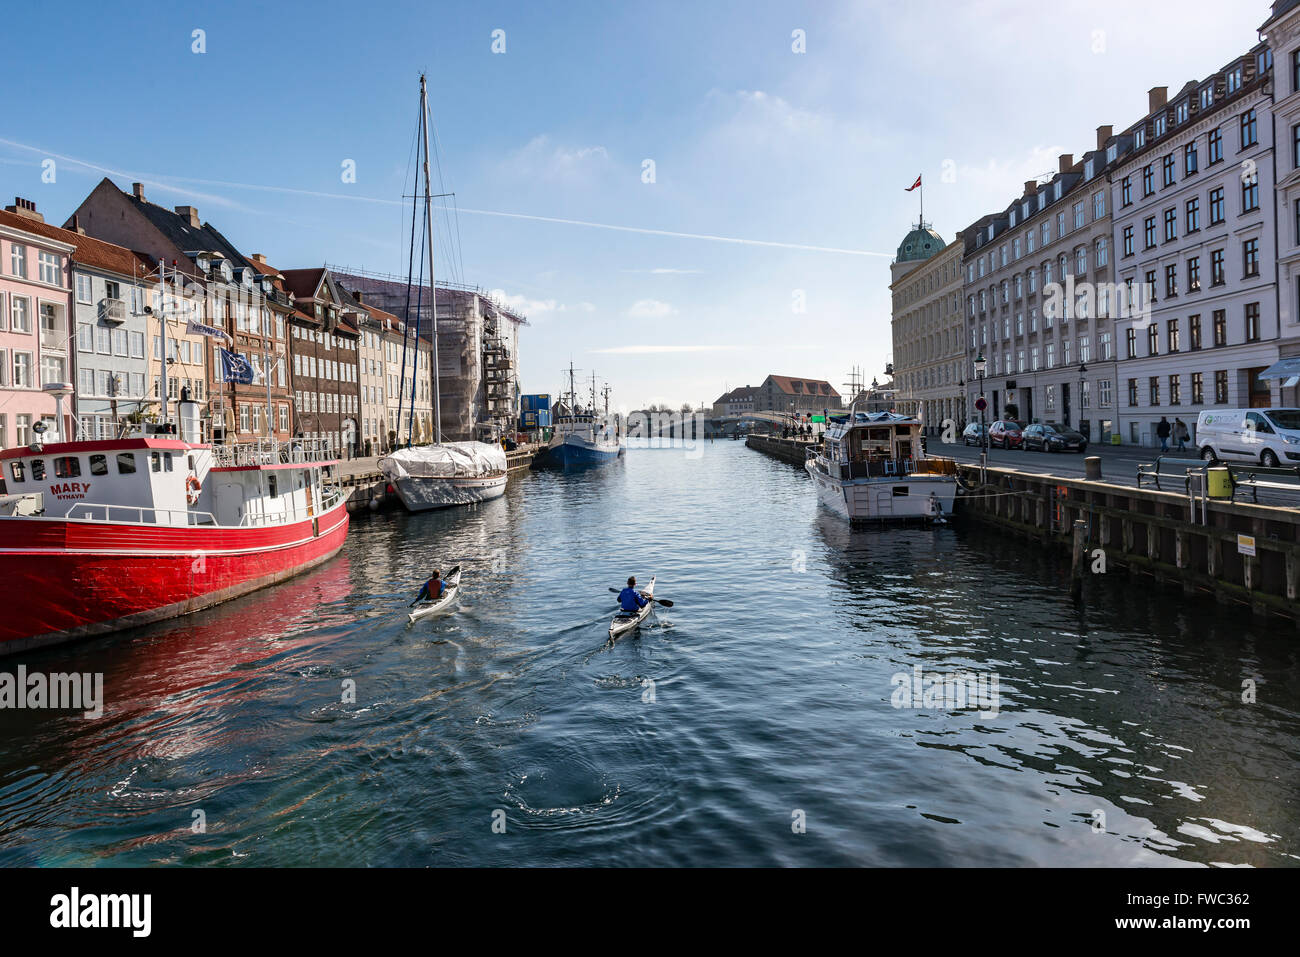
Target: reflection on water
pixel 310 724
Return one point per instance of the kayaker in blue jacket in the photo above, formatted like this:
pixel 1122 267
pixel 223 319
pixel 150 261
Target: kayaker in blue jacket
pixel 431 590
pixel 629 599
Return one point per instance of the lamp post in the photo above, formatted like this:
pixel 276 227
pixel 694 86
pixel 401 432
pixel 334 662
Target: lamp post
pixel 1083 371
pixel 980 363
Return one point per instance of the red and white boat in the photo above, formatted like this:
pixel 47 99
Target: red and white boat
pixel 104 535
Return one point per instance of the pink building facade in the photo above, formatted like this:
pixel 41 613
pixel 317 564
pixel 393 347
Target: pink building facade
pixel 35 299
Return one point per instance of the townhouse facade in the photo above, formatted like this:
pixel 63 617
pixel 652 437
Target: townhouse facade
pixel 928 328
pixel 323 345
pixel 408 371
pixel 180 356
pixel 1195 232
pixel 35 303
pixel 372 371
pixel 1038 283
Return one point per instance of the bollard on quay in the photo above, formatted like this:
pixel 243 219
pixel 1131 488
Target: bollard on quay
pixel 1092 468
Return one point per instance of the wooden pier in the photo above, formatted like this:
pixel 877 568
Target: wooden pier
pixel 1236 551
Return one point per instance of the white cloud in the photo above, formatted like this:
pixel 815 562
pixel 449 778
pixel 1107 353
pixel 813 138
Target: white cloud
pixel 539 158
pixel 534 309
pixel 651 309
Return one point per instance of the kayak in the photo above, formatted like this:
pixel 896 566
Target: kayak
pixel 427 609
pixel 625 621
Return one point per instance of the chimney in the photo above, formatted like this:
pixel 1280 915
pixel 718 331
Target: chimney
pixel 189 213
pixel 1067 160
pixel 26 209
pixel 1157 97
pixel 260 257
pixel 1103 134
pixel 359 296
pixel 137 189
pixel 76 225
pixel 1030 186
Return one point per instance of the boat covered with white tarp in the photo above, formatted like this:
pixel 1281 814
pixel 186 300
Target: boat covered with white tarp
pixel 450 473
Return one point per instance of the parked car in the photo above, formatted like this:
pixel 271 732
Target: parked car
pixel 1053 437
pixel 1270 437
pixel 973 434
pixel 1006 434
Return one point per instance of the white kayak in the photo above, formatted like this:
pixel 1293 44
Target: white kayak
pixel 427 609
pixel 625 621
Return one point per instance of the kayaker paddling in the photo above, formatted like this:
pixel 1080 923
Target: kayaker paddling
pixel 431 590
pixel 631 600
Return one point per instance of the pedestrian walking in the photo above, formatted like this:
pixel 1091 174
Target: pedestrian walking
pixel 1181 434
pixel 1162 432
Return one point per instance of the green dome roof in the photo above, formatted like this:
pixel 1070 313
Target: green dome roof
pixel 921 243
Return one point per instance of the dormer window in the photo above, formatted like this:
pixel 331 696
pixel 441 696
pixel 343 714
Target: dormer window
pixel 1233 78
pixel 1181 112
pixel 1042 201
pixel 1140 138
pixel 1088 169
pixel 1013 217
pixel 1207 97
pixel 1160 125
pixel 1112 152
pixel 1056 190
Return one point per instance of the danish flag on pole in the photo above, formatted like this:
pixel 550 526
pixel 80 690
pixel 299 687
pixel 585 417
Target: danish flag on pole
pixel 913 186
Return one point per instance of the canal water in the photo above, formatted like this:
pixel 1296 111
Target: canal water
pixel 763 720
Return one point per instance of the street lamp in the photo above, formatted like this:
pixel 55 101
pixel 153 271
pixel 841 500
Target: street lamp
pixel 1083 371
pixel 980 364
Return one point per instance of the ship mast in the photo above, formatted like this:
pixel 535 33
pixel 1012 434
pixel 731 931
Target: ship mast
pixel 433 286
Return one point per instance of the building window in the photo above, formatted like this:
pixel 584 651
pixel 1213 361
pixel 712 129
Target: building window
pixel 1252 322
pixel 1153 389
pixel 1220 327
pixel 1216 267
pixel 1051 398
pixel 1172 334
pixel 1167 170
pixel 1153 340
pixel 1221 386
pixel 1171 280
pixel 1216 206
pixel 83 288
pixel 1148 181
pixel 1175 390
pixel 1149 232
pixel 1216 146
pixel 1171 225
pixel 1193 214
pixel 1103 254
pixel 1250 194
pixel 1126 191
pixel 1198 388
pixel 1194 332
pixel 1128 235
pixel 1233 80
pixel 1250 258
pixel 1130 343
pixel 1132 392
pixel 18 262
pixel 1249 134
pixel 1194 274
pixel 1098 205
pixel 1189 158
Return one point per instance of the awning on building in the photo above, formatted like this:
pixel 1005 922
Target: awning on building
pixel 1288 369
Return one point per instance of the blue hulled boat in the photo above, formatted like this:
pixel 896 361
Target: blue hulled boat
pixel 582 437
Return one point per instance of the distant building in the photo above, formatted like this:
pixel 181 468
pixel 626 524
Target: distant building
pixel 880 398
pixel 783 393
pixel 736 402
pixel 929 341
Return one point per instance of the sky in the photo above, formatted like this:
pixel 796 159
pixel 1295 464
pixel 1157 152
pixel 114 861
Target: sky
pixel 761 243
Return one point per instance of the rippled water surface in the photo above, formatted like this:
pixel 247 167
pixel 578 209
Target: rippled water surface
pixel 762 700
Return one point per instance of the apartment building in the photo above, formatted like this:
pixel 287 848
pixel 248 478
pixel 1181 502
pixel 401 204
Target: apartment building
pixel 1194 227
pixel 323 343
pixel 928 328
pixel 1039 289
pixel 35 296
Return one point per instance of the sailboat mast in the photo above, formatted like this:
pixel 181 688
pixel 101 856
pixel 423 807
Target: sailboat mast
pixel 433 286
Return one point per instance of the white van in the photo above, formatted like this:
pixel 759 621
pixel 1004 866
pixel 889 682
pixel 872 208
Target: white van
pixel 1270 437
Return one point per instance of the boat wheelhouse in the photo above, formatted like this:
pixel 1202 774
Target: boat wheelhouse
pixel 872 466
pixel 97 536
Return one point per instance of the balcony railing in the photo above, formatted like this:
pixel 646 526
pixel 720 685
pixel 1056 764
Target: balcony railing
pixel 112 310
pixel 273 452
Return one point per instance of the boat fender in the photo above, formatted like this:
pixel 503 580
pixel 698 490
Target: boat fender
pixel 192 489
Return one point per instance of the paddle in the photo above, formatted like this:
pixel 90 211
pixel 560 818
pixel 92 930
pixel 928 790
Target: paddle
pixel 658 601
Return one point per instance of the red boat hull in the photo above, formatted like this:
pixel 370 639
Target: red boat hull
pixel 61 580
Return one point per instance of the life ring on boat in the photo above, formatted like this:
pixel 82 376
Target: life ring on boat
pixel 192 489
